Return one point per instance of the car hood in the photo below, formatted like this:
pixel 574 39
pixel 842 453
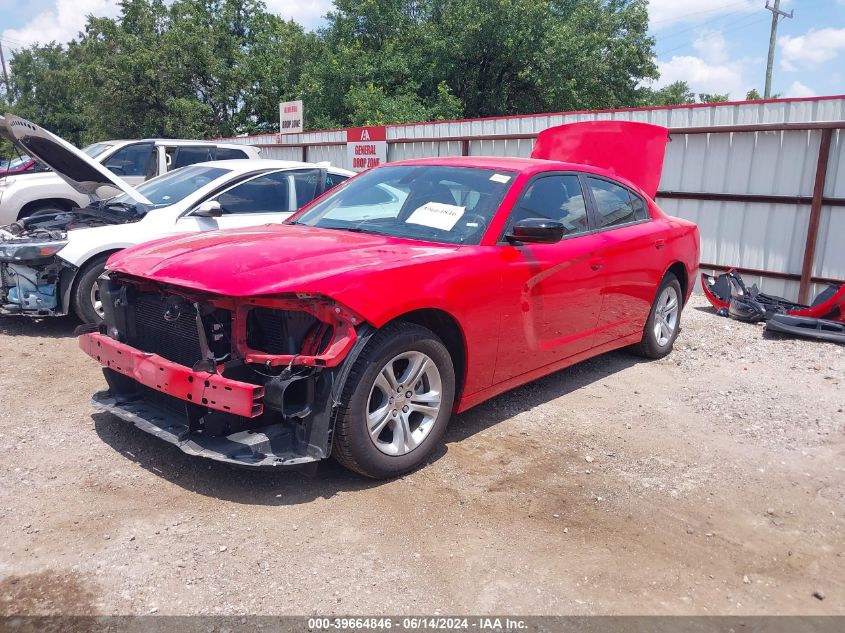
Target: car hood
pixel 629 149
pixel 270 259
pixel 80 171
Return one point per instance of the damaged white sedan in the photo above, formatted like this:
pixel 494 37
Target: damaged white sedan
pixel 50 262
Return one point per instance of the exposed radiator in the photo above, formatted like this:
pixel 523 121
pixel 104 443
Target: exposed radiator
pixel 176 340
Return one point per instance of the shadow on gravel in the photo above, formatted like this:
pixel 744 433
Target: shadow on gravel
pixel 286 486
pixel 538 392
pixel 326 479
pixel 52 327
pixel 706 309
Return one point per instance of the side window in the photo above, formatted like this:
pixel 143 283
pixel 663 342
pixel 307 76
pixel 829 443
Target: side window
pixel 228 153
pixel 191 155
pixel 615 205
pixel 333 180
pixel 138 159
pixel 640 208
pixel 305 182
pixel 557 198
pixel 265 194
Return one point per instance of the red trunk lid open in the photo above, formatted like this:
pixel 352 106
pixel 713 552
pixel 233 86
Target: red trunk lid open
pixel 628 149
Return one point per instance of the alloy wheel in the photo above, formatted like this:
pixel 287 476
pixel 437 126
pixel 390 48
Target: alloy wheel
pixel 666 315
pixel 404 403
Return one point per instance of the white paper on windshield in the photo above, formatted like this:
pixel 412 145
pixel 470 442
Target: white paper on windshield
pixel 437 215
pixel 500 178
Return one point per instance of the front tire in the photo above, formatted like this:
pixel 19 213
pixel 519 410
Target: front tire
pixel 85 299
pixel 664 320
pixel 396 403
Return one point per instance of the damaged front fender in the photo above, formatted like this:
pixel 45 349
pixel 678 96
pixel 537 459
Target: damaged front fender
pixel 254 381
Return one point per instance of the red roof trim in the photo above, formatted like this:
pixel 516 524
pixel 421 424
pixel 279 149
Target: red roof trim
pixel 569 113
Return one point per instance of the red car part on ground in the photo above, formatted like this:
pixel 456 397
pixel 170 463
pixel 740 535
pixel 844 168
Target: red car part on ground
pixel 508 303
pixel 823 320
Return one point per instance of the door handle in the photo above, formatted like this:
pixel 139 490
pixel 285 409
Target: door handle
pixel 659 244
pixel 597 264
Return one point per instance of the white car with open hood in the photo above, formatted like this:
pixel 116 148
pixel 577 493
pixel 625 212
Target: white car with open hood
pixel 49 263
pixel 22 195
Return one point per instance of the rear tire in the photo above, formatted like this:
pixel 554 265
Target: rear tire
pixel 382 431
pixel 85 291
pixel 664 320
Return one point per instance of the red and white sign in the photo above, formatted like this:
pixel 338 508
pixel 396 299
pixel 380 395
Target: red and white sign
pixel 290 117
pixel 366 147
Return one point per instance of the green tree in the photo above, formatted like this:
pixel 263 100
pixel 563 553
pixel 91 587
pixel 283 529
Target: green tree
pixel 676 93
pixel 199 68
pixel 704 97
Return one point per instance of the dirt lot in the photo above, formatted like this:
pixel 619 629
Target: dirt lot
pixel 710 482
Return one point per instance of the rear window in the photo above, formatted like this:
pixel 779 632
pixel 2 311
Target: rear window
pixel 229 153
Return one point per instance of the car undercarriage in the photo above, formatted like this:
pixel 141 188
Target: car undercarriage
pixel 253 382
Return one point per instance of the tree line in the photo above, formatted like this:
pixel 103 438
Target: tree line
pixel 207 68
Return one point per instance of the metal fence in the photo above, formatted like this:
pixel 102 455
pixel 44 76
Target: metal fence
pixel 764 180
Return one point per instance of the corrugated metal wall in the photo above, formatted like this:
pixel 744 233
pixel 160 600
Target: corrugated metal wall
pixel 744 234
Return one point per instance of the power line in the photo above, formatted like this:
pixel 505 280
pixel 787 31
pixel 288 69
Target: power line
pixel 683 16
pixel 739 25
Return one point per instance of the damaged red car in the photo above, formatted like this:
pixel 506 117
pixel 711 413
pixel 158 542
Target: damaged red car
pixel 414 291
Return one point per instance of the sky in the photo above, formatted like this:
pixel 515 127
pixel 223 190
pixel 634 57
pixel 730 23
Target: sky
pixel 717 46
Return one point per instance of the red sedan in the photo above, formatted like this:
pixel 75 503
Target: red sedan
pixel 415 290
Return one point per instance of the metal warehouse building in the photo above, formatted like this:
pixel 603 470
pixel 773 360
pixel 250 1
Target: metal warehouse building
pixel 764 180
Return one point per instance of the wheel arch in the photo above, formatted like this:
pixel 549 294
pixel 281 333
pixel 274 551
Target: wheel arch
pixel 70 279
pixel 448 330
pixel 680 271
pixel 34 205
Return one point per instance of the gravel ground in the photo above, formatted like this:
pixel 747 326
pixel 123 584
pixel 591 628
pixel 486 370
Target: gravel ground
pixel 709 482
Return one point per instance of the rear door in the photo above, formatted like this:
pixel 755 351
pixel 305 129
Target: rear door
pixel 631 256
pixel 551 292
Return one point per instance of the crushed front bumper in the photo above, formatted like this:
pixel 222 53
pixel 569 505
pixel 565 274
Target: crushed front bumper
pixel 267 447
pixel 202 388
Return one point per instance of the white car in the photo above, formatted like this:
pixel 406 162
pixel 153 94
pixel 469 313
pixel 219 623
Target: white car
pixel 49 263
pixel 22 195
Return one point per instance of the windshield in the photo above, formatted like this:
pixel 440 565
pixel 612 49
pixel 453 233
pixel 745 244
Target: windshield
pixel 174 186
pixel 96 149
pixel 451 205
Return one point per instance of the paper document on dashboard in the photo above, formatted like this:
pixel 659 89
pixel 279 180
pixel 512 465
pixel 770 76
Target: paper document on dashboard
pixel 437 215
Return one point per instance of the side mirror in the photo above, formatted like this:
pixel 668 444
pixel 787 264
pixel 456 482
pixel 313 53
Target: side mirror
pixel 536 230
pixel 209 209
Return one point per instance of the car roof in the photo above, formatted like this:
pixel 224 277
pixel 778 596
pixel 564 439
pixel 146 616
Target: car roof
pixel 250 164
pixel 528 166
pixel 172 141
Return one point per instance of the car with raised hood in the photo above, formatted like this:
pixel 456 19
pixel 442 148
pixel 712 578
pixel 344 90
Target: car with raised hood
pixel 39 191
pixel 49 263
pixel 414 291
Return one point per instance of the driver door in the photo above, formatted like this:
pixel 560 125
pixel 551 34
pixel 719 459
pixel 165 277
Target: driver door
pixel 552 293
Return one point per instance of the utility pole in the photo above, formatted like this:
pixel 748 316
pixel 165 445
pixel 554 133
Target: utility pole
pixel 776 15
pixel 5 73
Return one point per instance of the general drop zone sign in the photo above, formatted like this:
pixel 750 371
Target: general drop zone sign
pixel 290 117
pixel 366 147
